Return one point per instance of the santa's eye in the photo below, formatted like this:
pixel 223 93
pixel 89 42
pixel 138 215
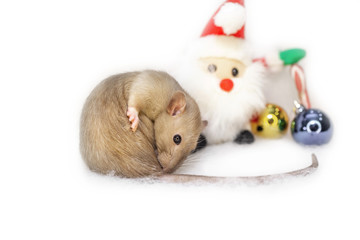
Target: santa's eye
pixel 212 68
pixel 235 72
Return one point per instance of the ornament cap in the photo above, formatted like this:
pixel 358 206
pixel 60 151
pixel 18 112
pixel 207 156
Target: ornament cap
pixel 299 108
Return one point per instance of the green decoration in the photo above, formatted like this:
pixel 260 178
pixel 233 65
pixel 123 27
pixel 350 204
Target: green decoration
pixel 292 56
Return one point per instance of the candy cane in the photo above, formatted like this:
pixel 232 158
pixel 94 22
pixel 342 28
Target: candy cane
pixel 297 73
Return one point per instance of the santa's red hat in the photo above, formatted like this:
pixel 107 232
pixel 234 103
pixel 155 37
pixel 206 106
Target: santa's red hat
pixel 228 20
pixel 223 36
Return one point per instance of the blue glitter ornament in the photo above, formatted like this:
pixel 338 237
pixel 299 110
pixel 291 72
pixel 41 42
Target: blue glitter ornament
pixel 311 126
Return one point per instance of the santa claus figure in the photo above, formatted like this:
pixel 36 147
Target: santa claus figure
pixel 220 73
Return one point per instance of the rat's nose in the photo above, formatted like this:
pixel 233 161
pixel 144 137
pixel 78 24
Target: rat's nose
pixel 226 85
pixel 164 160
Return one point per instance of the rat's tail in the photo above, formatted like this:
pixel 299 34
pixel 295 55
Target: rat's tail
pixel 256 180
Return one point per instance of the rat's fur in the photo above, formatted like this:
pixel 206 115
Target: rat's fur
pixel 106 141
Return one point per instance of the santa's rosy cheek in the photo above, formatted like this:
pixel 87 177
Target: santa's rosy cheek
pixel 226 85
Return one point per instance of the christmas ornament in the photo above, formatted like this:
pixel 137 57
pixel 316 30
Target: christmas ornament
pixel 224 78
pixel 271 123
pixel 310 126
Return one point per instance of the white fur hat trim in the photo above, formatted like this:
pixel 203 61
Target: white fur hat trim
pixel 222 47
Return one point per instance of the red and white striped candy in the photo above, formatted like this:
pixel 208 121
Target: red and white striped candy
pixel 297 73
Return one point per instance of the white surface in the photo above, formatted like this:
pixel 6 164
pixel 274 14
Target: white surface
pixel 53 53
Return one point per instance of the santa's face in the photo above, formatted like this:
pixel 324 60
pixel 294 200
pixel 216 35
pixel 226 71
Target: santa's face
pixel 224 69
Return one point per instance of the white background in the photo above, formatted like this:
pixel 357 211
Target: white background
pixel 52 53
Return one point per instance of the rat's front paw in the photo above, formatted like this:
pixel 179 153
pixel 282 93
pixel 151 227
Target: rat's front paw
pixel 133 116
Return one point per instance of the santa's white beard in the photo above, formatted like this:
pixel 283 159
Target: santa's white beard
pixel 227 113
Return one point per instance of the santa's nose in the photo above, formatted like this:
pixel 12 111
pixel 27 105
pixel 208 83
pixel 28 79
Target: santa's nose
pixel 226 85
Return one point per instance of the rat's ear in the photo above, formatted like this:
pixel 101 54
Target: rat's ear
pixel 177 104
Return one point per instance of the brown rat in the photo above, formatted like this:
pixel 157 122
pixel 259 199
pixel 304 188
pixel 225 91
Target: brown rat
pixel 160 112
pixel 142 124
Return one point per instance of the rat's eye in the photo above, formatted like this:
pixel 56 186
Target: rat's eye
pixel 177 139
pixel 212 68
pixel 235 72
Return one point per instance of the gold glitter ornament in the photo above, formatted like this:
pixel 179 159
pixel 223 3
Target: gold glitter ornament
pixel 271 123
